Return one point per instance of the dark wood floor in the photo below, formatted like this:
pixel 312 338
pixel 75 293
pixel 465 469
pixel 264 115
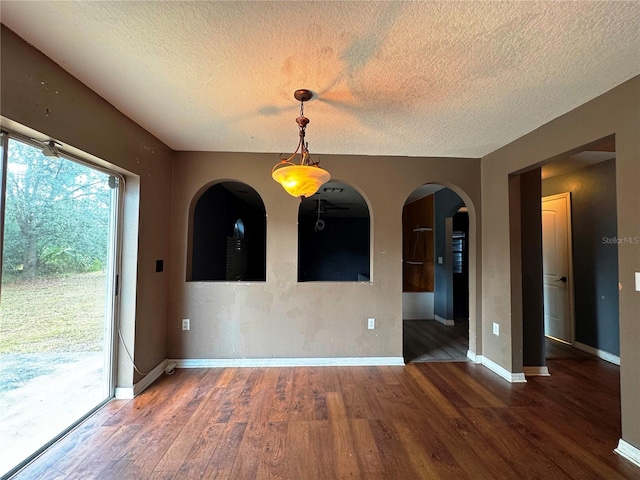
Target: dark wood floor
pixel 423 420
pixel 431 341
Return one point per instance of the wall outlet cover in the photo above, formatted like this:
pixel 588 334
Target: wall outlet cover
pixel 186 324
pixel 371 323
pixel 496 329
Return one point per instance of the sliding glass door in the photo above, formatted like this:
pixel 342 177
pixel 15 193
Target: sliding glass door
pixel 57 296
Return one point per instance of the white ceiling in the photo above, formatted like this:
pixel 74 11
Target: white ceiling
pixel 390 78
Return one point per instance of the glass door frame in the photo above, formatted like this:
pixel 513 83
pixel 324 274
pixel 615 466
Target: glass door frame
pixel 112 304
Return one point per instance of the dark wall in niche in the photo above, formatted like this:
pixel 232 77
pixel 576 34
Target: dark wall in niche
pixel 595 261
pixel 446 203
pixel 338 253
pixel 255 222
pixel 461 279
pixel 214 218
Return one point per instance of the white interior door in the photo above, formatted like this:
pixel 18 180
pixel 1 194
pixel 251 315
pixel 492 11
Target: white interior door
pixel 556 266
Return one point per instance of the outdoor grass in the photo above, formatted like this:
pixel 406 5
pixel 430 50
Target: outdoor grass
pixel 55 314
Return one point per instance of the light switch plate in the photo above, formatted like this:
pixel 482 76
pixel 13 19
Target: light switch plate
pixel 496 329
pixel 637 281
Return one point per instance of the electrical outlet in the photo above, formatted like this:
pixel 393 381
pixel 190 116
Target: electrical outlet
pixel 371 323
pixel 496 329
pixel 186 324
pixel 637 281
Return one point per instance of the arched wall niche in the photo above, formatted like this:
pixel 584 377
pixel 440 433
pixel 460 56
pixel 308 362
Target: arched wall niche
pixel 334 235
pixel 216 251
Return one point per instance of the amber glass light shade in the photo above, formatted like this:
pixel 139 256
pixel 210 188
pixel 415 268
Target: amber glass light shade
pixel 300 180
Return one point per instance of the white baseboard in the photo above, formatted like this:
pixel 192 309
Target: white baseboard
pixel 503 372
pixel 286 362
pixel 444 321
pixel 126 393
pixel 609 357
pixel 473 357
pixel 628 451
pixel 536 371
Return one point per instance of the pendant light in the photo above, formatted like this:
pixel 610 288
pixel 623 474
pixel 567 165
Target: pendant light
pixel 304 179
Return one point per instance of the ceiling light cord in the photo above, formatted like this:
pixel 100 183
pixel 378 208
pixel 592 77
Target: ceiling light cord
pixel 319 223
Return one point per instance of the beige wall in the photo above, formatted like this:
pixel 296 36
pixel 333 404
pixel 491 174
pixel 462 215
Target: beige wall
pixel 280 317
pixel 37 93
pixel 616 112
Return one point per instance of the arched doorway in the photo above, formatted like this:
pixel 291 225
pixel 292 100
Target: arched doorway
pixel 435 276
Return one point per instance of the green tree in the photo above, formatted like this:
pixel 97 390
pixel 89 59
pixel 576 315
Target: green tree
pixel 56 215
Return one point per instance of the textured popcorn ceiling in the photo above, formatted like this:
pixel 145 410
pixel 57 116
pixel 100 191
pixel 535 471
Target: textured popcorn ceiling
pixel 391 78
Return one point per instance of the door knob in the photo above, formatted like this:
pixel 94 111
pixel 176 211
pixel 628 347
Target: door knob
pixel 562 279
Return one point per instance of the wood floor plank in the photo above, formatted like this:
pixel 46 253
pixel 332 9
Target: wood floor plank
pixel 429 456
pixel 59 458
pixel 147 449
pixel 199 457
pixel 451 454
pixel 302 408
pixel 184 442
pixel 327 379
pixel 565 452
pixel 395 458
pixel 432 392
pixel 423 420
pixel 355 398
pixel 369 460
pixel 345 456
pixel 458 397
pixel 160 475
pixel 390 374
pixel 321 451
pixel 260 405
pixel 272 465
pixel 224 455
pixel 243 403
pixel 142 408
pixel 488 463
pixel 403 400
pixel 248 452
pixel 299 460
pixel 473 391
pixel 517 450
pixel 111 451
pixel 281 401
pixel 225 409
